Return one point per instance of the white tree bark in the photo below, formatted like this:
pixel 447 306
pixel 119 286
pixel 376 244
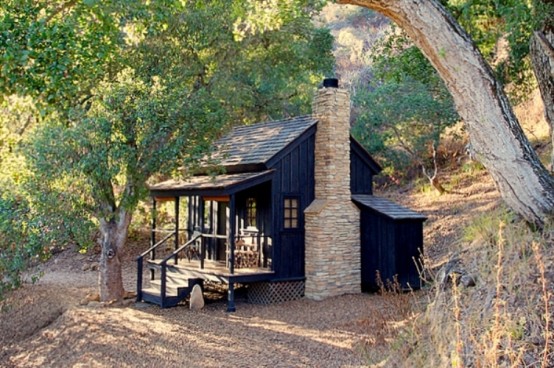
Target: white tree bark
pixel 495 134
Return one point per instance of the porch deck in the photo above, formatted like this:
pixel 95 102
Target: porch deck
pixel 217 271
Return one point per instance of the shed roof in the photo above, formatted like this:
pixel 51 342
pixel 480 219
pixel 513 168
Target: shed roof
pixel 210 185
pixel 258 143
pixel 387 208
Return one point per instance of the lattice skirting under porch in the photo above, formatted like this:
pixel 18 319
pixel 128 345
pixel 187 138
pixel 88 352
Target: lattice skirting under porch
pixel 275 292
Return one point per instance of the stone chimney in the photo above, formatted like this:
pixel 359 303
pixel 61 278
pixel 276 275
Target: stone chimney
pixel 332 221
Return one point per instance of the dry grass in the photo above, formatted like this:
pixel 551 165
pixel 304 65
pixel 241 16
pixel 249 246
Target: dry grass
pixel 506 319
pixel 391 340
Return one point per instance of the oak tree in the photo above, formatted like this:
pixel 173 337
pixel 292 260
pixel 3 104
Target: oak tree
pixel 135 90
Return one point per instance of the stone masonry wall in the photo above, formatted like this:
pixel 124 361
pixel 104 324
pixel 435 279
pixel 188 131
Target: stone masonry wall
pixel 332 221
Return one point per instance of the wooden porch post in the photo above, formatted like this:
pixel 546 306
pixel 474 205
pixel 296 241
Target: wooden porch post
pixel 177 200
pixel 202 242
pixel 232 224
pixel 153 225
pixel 212 231
pixel 154 214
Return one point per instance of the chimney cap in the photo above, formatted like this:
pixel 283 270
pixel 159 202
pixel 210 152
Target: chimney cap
pixel 331 83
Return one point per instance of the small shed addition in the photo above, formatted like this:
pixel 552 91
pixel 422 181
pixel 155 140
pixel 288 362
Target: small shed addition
pixel 391 242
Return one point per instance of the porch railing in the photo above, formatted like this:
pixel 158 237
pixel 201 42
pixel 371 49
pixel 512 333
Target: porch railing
pixel 174 254
pixel 163 263
pixel 140 262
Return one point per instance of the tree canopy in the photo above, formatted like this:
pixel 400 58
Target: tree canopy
pixel 127 91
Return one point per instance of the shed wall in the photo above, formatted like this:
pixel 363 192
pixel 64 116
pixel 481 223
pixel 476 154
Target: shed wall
pixel 390 247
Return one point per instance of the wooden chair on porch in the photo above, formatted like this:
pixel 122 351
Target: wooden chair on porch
pixel 247 254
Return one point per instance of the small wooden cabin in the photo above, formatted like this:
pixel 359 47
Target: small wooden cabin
pixel 253 224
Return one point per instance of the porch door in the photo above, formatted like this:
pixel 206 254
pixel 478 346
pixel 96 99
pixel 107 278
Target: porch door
pixel 292 237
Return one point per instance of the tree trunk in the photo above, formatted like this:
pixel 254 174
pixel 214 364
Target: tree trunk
pixel 114 234
pixel 542 57
pixel 495 134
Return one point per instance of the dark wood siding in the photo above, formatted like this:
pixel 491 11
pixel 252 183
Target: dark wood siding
pixel 361 175
pixel 390 247
pixel 293 178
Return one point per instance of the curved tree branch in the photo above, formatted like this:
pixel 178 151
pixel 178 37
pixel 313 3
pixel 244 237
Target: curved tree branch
pixel 495 134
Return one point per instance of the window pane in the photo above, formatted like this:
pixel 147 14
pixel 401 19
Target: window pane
pixel 290 213
pixel 251 212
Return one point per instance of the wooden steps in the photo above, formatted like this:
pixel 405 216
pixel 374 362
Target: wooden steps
pixel 180 278
pixel 171 288
pixel 177 286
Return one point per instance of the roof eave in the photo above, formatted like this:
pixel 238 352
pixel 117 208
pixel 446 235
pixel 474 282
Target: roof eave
pixel 409 215
pixel 215 190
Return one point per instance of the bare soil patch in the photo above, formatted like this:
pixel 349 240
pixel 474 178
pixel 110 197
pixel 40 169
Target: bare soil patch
pixel 448 214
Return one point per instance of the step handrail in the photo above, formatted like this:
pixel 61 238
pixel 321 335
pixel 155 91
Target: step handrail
pixel 143 254
pixel 140 262
pixel 163 264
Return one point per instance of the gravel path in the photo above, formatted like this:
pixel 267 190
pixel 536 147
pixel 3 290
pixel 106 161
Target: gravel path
pixel 44 325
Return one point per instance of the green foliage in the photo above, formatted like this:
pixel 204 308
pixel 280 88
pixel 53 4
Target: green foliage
pixel 404 110
pixel 35 217
pixel 488 22
pixel 20 237
pixel 134 130
pixel 190 77
pixel 119 92
pixel 484 228
pixel 55 51
pixel 472 167
pixel 30 232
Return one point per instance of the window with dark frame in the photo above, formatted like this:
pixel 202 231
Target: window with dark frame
pixel 251 212
pixel 291 213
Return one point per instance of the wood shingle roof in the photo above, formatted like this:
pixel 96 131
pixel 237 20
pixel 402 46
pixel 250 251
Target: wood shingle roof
pixel 387 208
pixel 258 143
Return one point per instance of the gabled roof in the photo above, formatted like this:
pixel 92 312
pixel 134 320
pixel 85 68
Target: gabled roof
pixel 387 208
pixel 254 145
pixel 246 154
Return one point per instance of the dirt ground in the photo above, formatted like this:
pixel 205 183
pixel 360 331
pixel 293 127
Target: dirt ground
pixel 46 324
